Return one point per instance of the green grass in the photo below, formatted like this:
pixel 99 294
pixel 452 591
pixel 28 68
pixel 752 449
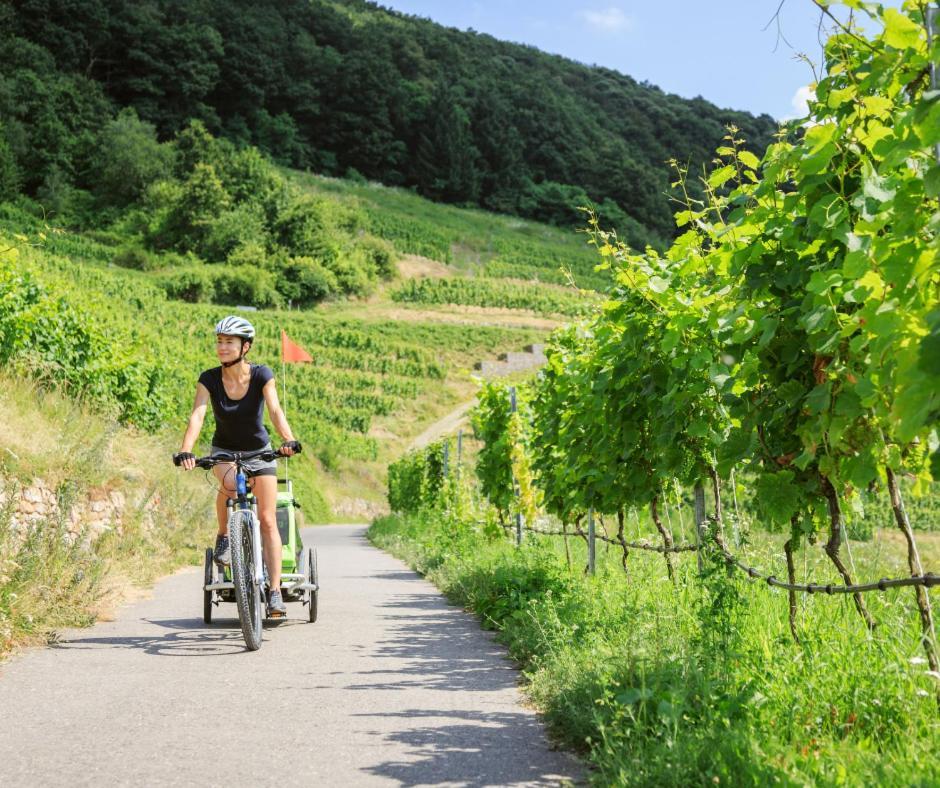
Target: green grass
pixel 51 577
pixel 468 239
pixel 701 683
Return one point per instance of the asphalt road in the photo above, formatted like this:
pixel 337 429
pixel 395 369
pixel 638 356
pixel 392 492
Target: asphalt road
pixel 391 686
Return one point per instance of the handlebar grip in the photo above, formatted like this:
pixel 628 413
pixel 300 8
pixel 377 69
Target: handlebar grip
pixel 295 445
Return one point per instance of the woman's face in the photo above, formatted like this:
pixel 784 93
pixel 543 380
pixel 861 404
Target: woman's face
pixel 228 348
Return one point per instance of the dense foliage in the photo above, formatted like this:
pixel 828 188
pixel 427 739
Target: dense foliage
pixel 344 86
pixel 415 480
pixel 45 335
pixel 786 333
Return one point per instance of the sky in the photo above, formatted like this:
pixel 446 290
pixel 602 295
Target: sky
pixel 727 51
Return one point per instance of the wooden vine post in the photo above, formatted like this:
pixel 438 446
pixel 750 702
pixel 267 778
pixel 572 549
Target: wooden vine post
pixel 700 517
pixel 515 481
pixel 591 542
pixel 928 636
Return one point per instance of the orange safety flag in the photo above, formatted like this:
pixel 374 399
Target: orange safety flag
pixel 291 352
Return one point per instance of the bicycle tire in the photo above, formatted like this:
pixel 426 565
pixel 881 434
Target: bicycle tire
pixel 247 591
pixel 207 595
pixel 313 576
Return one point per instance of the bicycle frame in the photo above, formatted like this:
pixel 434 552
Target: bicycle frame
pixel 292 583
pixel 241 491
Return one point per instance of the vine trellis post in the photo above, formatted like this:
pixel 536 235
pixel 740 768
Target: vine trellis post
pixel 591 542
pixel 515 482
pixel 699 522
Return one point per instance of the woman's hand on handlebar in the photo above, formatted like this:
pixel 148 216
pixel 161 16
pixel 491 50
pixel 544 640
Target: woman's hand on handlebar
pixel 290 448
pixel 185 459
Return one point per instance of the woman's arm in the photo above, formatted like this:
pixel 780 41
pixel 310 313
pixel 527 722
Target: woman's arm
pixel 278 419
pixel 196 418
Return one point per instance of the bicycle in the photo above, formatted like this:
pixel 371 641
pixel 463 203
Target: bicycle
pixel 248 579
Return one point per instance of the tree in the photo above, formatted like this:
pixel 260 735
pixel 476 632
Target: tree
pixel 445 163
pixel 128 159
pixel 9 174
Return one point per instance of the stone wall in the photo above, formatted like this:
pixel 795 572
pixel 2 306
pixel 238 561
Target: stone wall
pixel 533 356
pixel 97 510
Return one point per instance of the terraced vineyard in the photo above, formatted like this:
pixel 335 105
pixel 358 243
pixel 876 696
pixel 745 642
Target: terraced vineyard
pixel 468 240
pixel 372 386
pixel 494 293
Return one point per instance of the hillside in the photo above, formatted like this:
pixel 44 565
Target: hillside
pixel 386 364
pixel 347 87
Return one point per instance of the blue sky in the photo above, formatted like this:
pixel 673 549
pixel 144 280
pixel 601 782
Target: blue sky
pixel 717 49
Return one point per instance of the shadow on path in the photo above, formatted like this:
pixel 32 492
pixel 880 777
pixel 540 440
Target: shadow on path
pixel 461 753
pixel 431 645
pixel 190 638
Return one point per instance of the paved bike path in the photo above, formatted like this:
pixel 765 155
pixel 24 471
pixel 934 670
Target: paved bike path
pixel 391 686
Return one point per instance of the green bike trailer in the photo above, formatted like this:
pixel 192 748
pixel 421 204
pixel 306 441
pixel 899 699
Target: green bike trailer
pixel 299 576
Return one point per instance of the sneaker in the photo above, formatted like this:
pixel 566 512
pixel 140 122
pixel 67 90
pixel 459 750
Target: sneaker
pixel 276 606
pixel 222 552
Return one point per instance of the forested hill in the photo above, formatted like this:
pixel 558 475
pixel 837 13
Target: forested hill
pixel 346 87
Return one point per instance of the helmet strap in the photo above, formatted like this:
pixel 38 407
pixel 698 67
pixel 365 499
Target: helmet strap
pixel 241 355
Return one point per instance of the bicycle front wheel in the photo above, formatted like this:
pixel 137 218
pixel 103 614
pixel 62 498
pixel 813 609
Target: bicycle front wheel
pixel 247 589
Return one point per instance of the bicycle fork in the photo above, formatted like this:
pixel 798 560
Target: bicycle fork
pixel 241 489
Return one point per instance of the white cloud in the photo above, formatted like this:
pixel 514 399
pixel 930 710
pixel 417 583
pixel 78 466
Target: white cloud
pixel 608 20
pixel 800 102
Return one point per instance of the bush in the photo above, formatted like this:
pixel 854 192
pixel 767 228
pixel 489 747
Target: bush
pixel 379 256
pixel 237 227
pixel 134 257
pixel 245 285
pixel 252 253
pixel 249 177
pixel 353 279
pixel 200 202
pixel 194 284
pixel 303 229
pixel 304 281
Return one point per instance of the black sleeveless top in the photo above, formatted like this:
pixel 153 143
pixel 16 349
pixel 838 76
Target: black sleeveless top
pixel 238 422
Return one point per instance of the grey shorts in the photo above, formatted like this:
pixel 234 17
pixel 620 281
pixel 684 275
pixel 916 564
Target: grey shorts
pixel 254 467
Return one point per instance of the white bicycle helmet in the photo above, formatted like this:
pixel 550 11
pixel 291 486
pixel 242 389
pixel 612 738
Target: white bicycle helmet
pixel 235 326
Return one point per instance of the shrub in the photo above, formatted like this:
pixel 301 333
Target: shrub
pixel 194 284
pixel 379 256
pixel 135 257
pixel 305 281
pixel 237 227
pixel 245 284
pixel 303 229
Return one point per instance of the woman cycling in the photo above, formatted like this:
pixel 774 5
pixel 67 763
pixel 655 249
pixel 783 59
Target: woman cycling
pixel 238 391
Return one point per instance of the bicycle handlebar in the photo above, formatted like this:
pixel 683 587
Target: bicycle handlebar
pixel 210 461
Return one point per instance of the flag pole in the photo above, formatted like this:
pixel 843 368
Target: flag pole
pixel 284 405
